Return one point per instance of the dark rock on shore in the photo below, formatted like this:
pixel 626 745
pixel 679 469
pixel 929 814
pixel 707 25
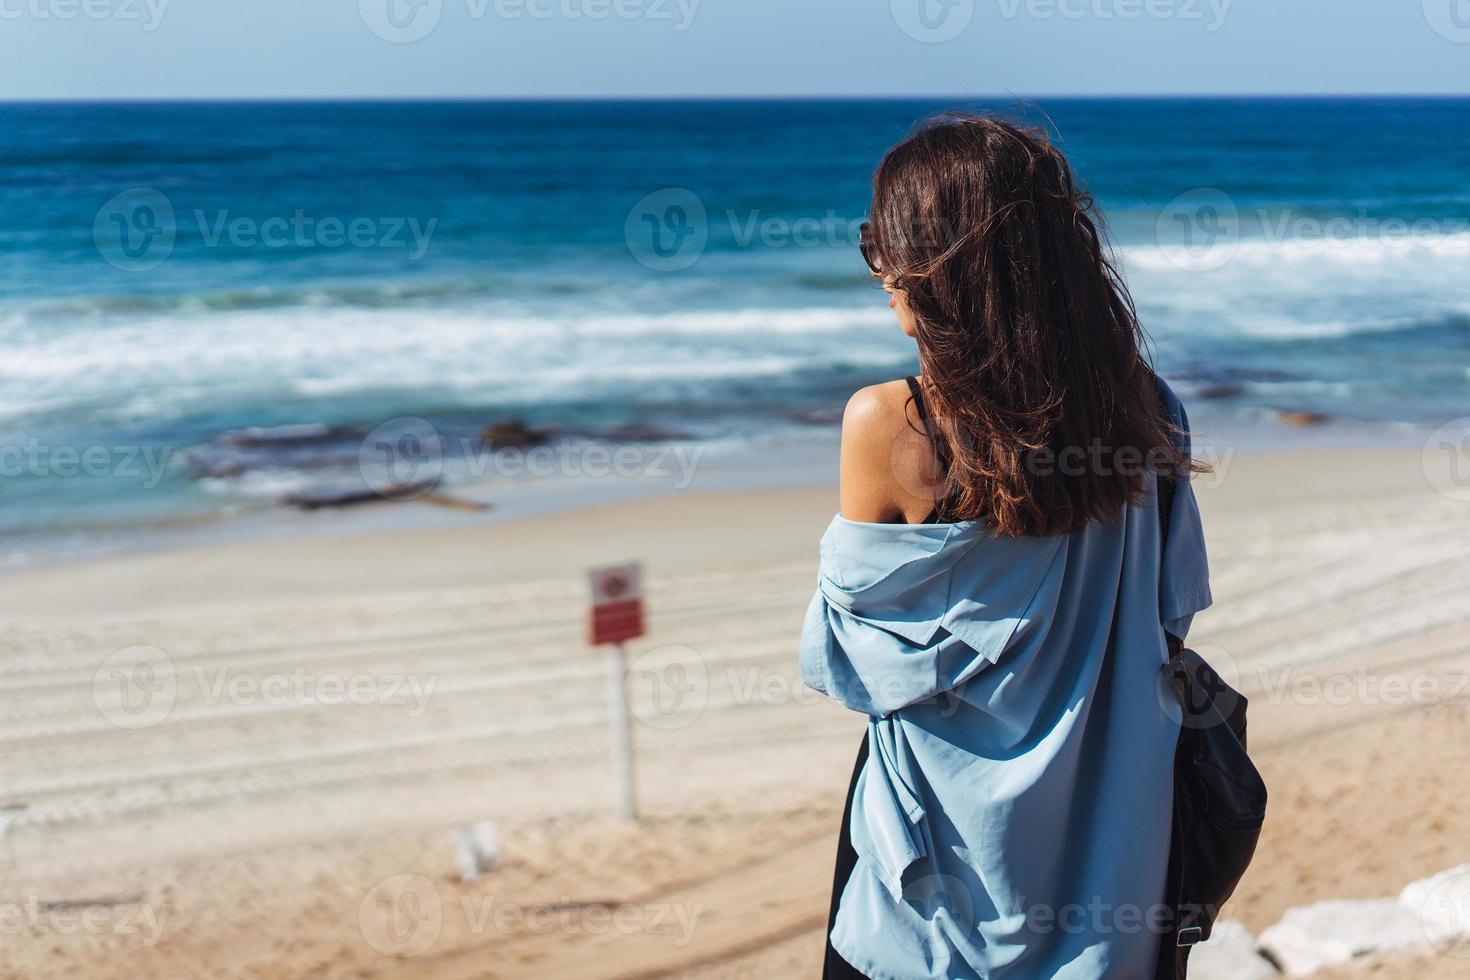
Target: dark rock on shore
pixel 513 434
pixel 1302 420
pixel 201 469
pixel 818 416
pixel 627 432
pixel 642 432
pixel 287 436
pixel 424 491
pixel 338 497
pixel 310 446
pixel 1224 389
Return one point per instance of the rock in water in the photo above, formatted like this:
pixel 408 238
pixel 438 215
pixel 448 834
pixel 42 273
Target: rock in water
pixel 513 434
pixel 818 416
pixel 309 434
pixel 644 432
pixel 1223 389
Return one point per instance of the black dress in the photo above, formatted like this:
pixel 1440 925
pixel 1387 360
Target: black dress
pixel 835 967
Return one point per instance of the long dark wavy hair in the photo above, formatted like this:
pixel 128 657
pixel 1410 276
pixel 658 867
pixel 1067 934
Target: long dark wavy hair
pixel 1028 338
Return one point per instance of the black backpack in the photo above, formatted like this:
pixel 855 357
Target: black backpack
pixel 1219 797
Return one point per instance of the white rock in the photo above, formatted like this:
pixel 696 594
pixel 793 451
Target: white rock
pixel 1229 955
pixel 476 850
pixel 1309 938
pixel 486 840
pixel 1442 905
pixel 8 815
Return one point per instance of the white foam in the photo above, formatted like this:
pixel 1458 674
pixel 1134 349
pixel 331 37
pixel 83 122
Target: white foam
pixel 162 363
pixel 258 484
pixel 1292 290
pixel 1274 251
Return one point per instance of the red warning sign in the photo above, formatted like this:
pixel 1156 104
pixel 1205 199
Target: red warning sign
pixel 617 603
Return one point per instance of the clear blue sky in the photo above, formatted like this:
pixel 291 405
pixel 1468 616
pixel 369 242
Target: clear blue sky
pixel 674 48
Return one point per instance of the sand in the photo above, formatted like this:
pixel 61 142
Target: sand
pixel 278 796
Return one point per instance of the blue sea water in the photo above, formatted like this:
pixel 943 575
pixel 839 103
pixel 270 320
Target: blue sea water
pixel 176 275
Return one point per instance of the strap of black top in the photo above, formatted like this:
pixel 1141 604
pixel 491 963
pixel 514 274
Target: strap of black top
pixel 941 454
pixel 917 393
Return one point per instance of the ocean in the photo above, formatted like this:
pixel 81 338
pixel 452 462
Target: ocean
pixel 205 307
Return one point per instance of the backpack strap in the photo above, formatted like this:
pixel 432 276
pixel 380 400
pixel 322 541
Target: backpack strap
pixel 1168 487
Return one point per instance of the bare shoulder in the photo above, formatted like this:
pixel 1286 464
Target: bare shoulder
pixel 877 411
pixel 877 430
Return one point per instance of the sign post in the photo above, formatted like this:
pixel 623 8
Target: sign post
pixel 617 616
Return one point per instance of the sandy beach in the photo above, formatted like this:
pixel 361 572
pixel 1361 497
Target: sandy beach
pixel 251 759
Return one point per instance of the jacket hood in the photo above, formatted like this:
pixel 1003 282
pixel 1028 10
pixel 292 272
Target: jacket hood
pixel 915 580
pixel 923 607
